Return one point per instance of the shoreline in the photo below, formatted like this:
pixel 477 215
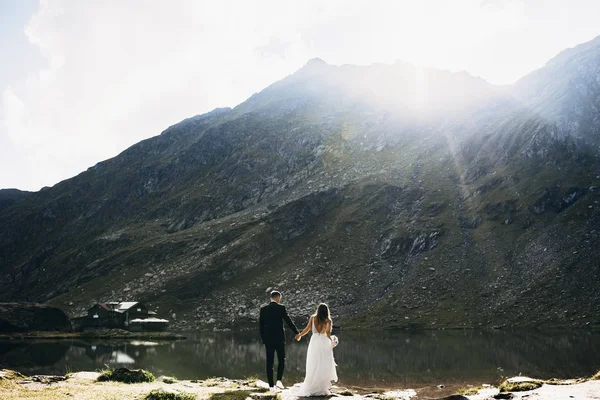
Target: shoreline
pixel 353 328
pixel 172 335
pixel 86 385
pixel 92 334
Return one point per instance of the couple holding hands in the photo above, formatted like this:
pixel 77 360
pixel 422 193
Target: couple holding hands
pixel 320 364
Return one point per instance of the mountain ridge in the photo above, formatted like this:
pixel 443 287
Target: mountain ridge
pixel 399 210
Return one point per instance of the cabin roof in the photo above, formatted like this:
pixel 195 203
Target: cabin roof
pixel 127 305
pixel 119 307
pixel 149 320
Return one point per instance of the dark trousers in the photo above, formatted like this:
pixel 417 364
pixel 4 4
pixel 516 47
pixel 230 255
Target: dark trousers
pixel 271 349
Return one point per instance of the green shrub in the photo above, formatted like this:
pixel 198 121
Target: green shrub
pixel 230 395
pixel 469 391
pixel 523 386
pixel 126 375
pixel 164 395
pixel 244 394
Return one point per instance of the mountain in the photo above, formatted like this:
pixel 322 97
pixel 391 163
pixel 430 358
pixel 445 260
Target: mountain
pixel 404 197
pixel 19 317
pixel 10 196
pixel 567 91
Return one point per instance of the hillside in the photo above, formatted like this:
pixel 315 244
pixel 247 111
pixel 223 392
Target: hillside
pixel 403 197
pixel 27 317
pixel 10 196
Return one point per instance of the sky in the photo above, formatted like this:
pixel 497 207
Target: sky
pixel 80 81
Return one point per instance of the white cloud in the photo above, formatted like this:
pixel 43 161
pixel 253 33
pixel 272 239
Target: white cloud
pixel 118 71
pixel 15 112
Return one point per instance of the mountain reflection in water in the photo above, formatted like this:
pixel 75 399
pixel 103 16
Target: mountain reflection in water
pixel 376 358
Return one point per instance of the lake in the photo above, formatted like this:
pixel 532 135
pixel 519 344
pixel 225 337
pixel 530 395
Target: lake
pixel 366 359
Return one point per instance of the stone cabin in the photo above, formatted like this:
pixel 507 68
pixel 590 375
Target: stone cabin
pixel 119 315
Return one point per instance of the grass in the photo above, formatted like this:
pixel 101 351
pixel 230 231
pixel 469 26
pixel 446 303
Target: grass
pixel 507 386
pixel 126 376
pixel 470 390
pixel 7 384
pixel 68 371
pixel 8 378
pixel 164 395
pixel 243 395
pixel 10 375
pixel 557 382
pixel 383 396
pixel 231 395
pixel 169 379
pixel 266 396
pixel 595 377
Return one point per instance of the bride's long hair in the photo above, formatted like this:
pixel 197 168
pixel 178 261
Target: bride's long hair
pixel 322 316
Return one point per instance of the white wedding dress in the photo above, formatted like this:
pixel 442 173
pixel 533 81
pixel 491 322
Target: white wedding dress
pixel 320 366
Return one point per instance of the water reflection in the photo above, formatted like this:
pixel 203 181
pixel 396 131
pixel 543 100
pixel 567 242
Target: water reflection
pixel 364 358
pixel 32 354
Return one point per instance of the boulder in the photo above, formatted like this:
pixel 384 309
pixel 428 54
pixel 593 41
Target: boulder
pixel 28 317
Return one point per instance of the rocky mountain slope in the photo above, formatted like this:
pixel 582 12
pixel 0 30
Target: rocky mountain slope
pixel 403 197
pixel 19 317
pixel 10 196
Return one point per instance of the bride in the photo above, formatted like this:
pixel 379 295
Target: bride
pixel 320 365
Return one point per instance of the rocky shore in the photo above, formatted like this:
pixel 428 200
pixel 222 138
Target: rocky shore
pixel 112 385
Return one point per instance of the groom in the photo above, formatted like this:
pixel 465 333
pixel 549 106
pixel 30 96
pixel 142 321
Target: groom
pixel 273 336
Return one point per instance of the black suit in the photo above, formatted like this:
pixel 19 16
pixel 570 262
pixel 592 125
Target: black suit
pixel 273 336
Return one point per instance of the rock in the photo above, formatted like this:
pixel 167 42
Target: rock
pixel 518 379
pixel 47 379
pixel 399 394
pixel 167 379
pixel 27 317
pixel 261 384
pixel 8 374
pixel 504 396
